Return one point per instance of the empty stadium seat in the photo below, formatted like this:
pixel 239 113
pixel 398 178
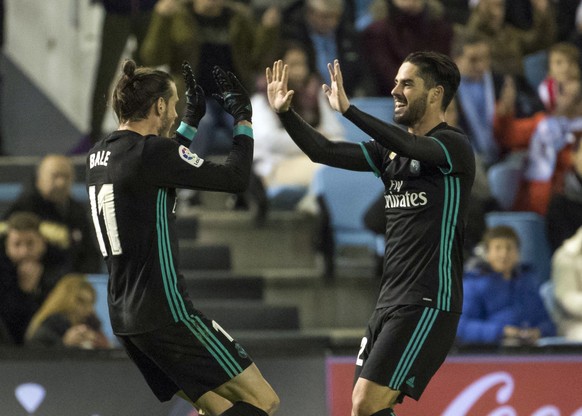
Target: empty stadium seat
pixel 347 195
pixel 531 229
pixel 504 178
pixel 99 283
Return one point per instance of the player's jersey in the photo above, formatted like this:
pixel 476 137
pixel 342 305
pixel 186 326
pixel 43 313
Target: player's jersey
pixel 426 209
pixel 131 181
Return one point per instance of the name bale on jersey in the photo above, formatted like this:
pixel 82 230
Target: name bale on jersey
pixel 99 158
pixel 192 158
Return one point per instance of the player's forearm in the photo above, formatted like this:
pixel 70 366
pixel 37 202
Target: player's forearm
pixel 320 149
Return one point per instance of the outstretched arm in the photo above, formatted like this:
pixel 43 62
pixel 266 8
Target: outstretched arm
pixel 316 146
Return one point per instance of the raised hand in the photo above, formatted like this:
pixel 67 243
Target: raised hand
pixel 195 101
pixel 335 91
pixel 232 95
pixel 277 93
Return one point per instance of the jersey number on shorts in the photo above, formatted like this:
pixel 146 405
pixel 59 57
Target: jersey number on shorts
pixel 103 205
pixel 360 360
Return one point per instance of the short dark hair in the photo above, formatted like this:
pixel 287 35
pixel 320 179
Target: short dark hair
pixel 437 69
pixel 137 89
pixel 23 221
pixel 500 231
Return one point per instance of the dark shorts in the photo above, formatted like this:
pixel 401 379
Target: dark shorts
pixel 195 355
pixel 404 346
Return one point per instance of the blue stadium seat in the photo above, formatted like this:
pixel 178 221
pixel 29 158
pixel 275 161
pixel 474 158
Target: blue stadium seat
pixel 99 282
pixel 504 178
pixel 379 107
pixel 531 229
pixel 347 196
pixel 535 68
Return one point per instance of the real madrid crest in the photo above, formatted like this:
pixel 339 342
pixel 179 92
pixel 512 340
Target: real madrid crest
pixel 414 166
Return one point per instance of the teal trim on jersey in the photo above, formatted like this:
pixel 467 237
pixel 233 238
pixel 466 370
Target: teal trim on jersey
pixel 187 131
pixel 241 129
pixel 159 223
pixel 369 160
pixel 448 225
pixel 415 343
pixel 447 155
pixel 175 301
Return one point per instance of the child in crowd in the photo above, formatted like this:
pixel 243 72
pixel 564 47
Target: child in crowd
pixel 563 58
pixel 502 304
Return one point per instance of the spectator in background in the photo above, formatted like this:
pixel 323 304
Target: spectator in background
pixel 549 154
pixel 409 26
pixel 2 150
pixel 123 19
pixel 67 317
pixel 485 93
pixel 277 159
pixel 509 44
pixel 326 33
pixel 26 276
pixel 65 221
pixel 208 33
pixel 502 304
pixel 564 214
pixel 567 278
pixel 563 65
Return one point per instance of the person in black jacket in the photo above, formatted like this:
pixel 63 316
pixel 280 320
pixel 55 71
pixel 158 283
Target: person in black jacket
pixel 65 221
pixel 26 273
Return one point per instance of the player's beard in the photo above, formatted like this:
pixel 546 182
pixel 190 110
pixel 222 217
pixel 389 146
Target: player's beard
pixel 414 113
pixel 166 124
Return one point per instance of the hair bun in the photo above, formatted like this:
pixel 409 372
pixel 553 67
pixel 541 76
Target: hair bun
pixel 129 67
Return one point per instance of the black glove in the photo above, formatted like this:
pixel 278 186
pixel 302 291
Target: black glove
pixel 232 95
pixel 195 101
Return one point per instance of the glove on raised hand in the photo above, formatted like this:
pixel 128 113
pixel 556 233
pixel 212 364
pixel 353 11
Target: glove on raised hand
pixel 195 101
pixel 232 95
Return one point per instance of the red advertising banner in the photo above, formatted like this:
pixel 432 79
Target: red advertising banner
pixel 535 385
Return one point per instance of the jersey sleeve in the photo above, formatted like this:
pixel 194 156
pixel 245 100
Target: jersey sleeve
pixel 397 140
pixel 167 163
pixel 458 152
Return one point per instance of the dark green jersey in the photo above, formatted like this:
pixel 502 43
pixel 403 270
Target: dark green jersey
pixel 426 210
pixel 132 181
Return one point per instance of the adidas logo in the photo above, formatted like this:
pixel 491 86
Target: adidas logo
pixel 410 382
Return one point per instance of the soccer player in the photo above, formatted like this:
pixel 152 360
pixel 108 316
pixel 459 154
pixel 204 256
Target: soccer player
pixel 428 172
pixel 131 179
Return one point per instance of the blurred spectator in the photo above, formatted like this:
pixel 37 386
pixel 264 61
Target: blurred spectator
pixel 409 25
pixel 485 95
pixel 564 214
pixel 549 154
pixel 122 20
pixel 26 276
pixel 456 11
pixel 277 159
pixel 567 278
pixel 67 317
pixel 1 77
pixel 326 33
pixel 5 337
pixel 65 221
pixel 509 44
pixel 563 65
pixel 208 33
pixel 576 34
pixel 566 16
pixel 502 304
